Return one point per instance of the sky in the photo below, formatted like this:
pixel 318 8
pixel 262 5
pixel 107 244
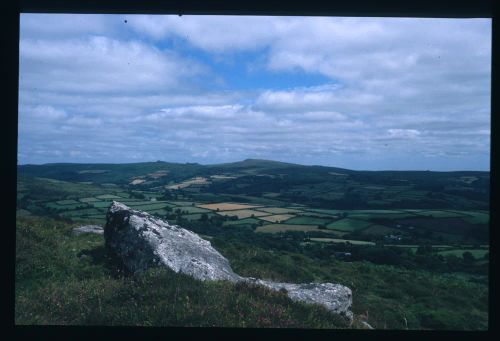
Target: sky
pixel 356 93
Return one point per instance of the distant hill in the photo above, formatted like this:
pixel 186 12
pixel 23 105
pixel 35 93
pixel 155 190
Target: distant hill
pixel 318 186
pixel 121 173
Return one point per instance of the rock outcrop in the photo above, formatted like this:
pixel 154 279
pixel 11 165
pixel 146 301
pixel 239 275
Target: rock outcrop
pixel 141 241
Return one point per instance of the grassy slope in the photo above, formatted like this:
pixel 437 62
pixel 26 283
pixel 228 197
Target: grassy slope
pixel 55 286
pixel 389 297
pixel 68 280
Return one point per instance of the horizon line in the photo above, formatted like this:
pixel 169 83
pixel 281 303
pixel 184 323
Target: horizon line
pixel 255 159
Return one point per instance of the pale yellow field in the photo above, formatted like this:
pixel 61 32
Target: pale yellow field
pixel 225 206
pixel 277 218
pixel 158 174
pixel 195 181
pixel 242 214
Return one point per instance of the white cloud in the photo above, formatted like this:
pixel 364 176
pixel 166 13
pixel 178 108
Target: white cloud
pixel 50 26
pixel 214 33
pixel 403 133
pixel 99 64
pixel 44 112
pixel 393 87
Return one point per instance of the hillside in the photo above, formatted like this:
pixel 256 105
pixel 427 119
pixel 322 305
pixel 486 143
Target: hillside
pixel 318 186
pixel 63 279
pixel 412 246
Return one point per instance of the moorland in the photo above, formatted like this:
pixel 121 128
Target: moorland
pixel 412 245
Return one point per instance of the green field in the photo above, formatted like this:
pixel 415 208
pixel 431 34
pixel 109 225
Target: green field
pixel 101 204
pixel 380 230
pixel 194 216
pixel 108 196
pixel 160 211
pixel 476 253
pixel 151 206
pixel 66 207
pixel 319 215
pixel 135 202
pixel 304 220
pixel 348 225
pixel 336 240
pixel 440 214
pixel 67 202
pixel 350 212
pixel 80 213
pixel 277 218
pixel 191 209
pixel 278 210
pixel 247 221
pixel 90 199
pixel 181 203
pixel 274 228
pixel 324 211
pixel 375 214
pixel 476 217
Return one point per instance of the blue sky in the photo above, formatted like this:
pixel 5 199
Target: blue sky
pixel 358 93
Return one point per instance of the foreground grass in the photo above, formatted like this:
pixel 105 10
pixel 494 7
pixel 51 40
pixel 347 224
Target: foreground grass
pixel 385 296
pixel 68 280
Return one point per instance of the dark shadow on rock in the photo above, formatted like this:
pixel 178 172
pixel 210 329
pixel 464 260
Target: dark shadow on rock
pixel 100 256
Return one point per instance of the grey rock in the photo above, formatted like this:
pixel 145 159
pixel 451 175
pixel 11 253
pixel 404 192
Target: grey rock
pixel 141 241
pixel 88 229
pixel 335 297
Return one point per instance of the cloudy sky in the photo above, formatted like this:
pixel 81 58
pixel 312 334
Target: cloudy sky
pixel 358 93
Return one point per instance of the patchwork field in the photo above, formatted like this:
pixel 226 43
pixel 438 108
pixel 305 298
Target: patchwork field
pixel 305 220
pixel 108 196
pixel 247 221
pixel 195 216
pixel 274 228
pixel 67 202
pixel 277 218
pixel 279 210
pixel 441 214
pixel 242 214
pixel 335 240
pixel 324 211
pixel 151 206
pixel 181 203
pixel 101 204
pixel 348 225
pixel 135 203
pixel 88 199
pixel 160 212
pixel 378 215
pixel 225 206
pixel 190 182
pixel 380 230
pixel 191 209
pixel 80 213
